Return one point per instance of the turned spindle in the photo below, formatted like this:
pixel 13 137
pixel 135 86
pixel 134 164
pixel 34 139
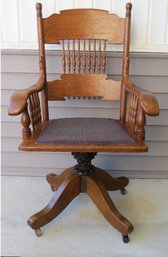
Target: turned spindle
pixel 141 121
pixel 25 121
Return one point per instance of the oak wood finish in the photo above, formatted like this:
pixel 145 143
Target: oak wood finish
pixel 82 56
pixel 110 183
pixel 83 34
pixel 69 185
pixel 32 146
pixel 91 24
pixel 87 85
pixel 18 100
pixel 66 192
pixel 42 61
pixel 98 194
pixel 55 181
pixel 25 120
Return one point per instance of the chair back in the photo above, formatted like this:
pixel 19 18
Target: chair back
pixel 83 35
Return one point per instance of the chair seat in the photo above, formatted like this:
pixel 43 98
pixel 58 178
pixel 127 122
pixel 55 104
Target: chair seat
pixel 84 135
pixel 85 131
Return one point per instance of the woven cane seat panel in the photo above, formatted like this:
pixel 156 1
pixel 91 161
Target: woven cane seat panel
pixel 84 131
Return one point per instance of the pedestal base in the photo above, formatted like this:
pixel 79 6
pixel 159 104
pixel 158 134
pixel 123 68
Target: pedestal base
pixel 95 182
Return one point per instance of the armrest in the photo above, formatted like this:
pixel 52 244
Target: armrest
pixel 147 100
pixel 18 100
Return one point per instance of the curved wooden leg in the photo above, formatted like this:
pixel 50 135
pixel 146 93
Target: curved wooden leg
pixel 99 195
pixel 110 183
pixel 55 181
pixel 67 191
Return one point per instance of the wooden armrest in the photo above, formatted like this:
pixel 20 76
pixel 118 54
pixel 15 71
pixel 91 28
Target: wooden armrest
pixel 147 100
pixel 18 100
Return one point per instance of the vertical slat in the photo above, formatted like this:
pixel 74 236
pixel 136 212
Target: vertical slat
pixel 156 32
pixel 10 31
pixel 79 58
pixel 130 110
pixel 135 111
pixel 104 57
pixel 166 29
pixel 89 56
pixel 31 109
pixel 27 21
pixel 63 58
pixel 132 113
pixel 84 55
pixel 139 22
pixel 69 58
pixel 99 58
pixel 38 109
pixel 35 110
pixel 83 4
pixel 74 57
pixel 94 56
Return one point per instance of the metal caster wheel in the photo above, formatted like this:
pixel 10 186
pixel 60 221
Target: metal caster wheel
pixel 123 191
pixel 38 232
pixel 125 239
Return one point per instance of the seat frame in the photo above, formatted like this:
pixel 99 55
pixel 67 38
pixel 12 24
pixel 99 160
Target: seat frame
pixel 135 104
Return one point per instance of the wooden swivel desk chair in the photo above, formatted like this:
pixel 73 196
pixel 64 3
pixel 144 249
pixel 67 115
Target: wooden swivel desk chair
pixel 83 34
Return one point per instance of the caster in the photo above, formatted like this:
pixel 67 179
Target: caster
pixel 123 191
pixel 53 188
pixel 38 232
pixel 125 239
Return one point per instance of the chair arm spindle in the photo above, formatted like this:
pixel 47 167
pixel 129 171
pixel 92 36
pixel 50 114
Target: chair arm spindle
pixel 18 100
pixel 147 100
pixel 35 111
pixel 140 103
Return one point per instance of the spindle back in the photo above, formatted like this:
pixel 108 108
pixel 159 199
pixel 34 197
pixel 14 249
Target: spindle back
pixel 84 56
pixel 83 35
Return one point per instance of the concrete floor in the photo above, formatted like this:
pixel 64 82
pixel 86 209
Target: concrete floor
pixel 81 230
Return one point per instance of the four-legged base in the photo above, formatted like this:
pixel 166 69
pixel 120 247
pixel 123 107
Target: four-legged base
pixel 96 184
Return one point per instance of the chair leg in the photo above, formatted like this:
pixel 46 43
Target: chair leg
pixel 83 177
pixel 55 181
pixel 66 192
pixel 99 195
pixel 110 183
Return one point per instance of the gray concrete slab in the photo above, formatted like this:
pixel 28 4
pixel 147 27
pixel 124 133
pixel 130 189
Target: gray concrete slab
pixel 81 230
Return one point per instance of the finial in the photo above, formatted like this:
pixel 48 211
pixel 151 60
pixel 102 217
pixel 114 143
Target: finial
pixel 128 9
pixel 39 8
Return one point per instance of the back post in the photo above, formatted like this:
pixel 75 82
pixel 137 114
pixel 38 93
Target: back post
pixel 42 62
pixel 126 60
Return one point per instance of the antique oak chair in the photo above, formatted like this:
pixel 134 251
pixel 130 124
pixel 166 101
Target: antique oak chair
pixel 83 34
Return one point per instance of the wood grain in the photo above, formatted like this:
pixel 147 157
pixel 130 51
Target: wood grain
pixel 69 185
pixel 83 24
pixel 67 191
pixel 99 195
pixel 111 183
pixel 76 26
pixel 87 85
